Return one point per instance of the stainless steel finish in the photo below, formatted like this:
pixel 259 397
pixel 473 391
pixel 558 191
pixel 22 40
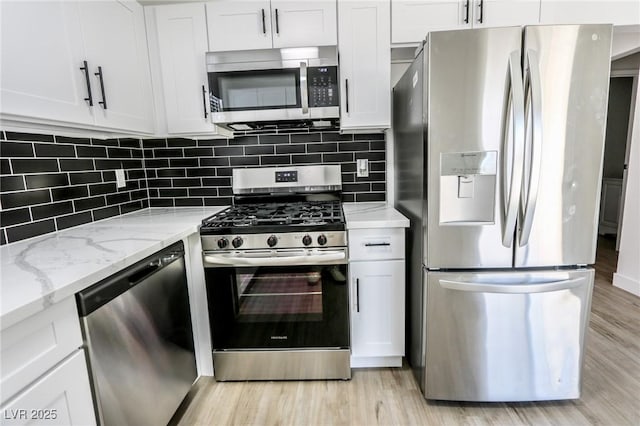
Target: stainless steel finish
pixel 285 240
pixel 307 364
pixel 274 115
pixel 139 373
pixel 514 333
pixel 574 63
pixel 310 179
pixel 530 193
pixel 409 112
pixel 265 59
pixel 275 257
pixel 466 112
pixel 506 336
pixel 513 154
pixel 304 92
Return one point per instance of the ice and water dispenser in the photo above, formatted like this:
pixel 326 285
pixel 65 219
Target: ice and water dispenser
pixel 468 187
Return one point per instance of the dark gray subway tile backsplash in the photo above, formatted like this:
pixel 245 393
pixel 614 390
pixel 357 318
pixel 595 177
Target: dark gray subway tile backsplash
pixel 50 182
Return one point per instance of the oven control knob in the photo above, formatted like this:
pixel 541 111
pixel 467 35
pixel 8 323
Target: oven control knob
pixel 223 242
pixel 322 240
pixel 237 242
pixel 272 241
pixel 306 240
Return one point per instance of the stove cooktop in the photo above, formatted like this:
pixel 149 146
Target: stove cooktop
pixel 276 217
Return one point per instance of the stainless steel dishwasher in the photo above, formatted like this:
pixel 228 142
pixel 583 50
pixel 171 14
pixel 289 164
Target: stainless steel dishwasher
pixel 137 330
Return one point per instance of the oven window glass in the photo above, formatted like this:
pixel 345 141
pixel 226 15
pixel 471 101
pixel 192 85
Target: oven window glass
pixel 256 90
pixel 274 307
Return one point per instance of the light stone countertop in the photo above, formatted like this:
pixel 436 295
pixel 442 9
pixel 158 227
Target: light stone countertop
pixel 44 270
pixel 373 215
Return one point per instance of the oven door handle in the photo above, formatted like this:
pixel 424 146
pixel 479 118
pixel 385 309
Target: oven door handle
pixel 267 259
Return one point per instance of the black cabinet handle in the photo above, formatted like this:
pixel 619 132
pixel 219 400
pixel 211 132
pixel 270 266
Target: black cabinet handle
pixel 277 23
pixel 204 101
pixel 85 68
pixel 377 244
pixel 346 89
pixel 357 295
pixel 264 25
pixel 103 102
pixel 481 11
pixel 466 16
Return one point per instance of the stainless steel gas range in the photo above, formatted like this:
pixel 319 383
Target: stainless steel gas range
pixel 276 277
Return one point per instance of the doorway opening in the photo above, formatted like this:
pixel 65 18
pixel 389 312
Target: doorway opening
pixel 622 92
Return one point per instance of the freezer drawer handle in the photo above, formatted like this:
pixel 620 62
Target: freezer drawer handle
pixel 510 288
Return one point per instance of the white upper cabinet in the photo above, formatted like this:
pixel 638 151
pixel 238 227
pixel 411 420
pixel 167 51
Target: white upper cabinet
pixel 182 44
pixel 42 53
pixel 618 12
pixel 116 45
pixel 413 19
pixel 304 23
pixel 45 47
pixel 365 64
pixel 248 25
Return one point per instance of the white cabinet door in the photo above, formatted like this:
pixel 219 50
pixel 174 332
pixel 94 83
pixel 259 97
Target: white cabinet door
pixel 182 45
pixel 61 397
pixel 501 13
pixel 365 64
pixel 308 23
pixel 239 25
pixel 618 12
pixel 377 308
pixel 412 19
pixel 115 43
pixel 42 52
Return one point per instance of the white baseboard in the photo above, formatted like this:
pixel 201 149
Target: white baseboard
pixel 626 283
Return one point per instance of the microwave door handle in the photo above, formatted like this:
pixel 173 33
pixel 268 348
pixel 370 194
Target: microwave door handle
pixel 304 92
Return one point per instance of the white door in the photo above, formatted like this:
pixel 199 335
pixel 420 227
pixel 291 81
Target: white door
pixel 618 12
pixel 115 41
pixel 413 19
pixel 377 308
pixel 182 40
pixel 239 25
pixel 42 54
pixel 61 397
pixel 365 64
pixel 297 24
pixel 499 13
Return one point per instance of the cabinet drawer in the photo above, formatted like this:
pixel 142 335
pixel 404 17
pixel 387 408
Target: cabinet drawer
pixel 33 346
pixel 61 397
pixel 371 244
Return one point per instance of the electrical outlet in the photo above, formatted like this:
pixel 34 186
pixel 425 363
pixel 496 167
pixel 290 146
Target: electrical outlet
pixel 362 168
pixel 120 179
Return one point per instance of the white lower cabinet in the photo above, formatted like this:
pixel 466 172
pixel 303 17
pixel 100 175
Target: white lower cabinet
pixel 60 397
pixel 44 377
pixel 377 294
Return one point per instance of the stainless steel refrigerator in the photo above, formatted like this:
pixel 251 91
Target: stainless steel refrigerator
pixel 498 147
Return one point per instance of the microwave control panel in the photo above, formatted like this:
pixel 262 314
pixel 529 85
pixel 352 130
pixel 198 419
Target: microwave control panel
pixel 322 83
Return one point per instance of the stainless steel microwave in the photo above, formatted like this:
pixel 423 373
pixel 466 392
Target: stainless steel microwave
pixel 273 85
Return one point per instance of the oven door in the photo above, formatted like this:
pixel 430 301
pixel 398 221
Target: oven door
pixel 266 299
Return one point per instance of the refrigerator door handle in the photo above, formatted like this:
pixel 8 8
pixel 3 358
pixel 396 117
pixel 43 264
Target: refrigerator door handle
pixel 507 288
pixel 513 156
pixel 529 197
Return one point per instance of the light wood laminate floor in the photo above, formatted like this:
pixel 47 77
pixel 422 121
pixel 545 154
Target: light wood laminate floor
pixel 389 396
